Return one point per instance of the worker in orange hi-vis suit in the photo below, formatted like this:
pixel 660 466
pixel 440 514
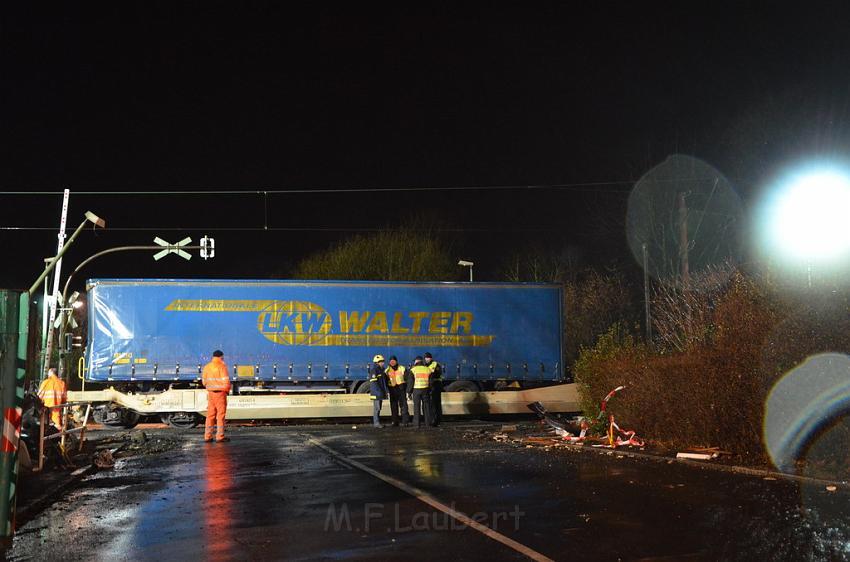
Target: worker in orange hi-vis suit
pixel 53 392
pixel 217 384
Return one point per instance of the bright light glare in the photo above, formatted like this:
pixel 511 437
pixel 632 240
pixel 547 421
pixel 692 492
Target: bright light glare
pixel 810 217
pixel 77 304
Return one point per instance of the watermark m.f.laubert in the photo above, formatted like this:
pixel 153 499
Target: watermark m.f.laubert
pixel 339 518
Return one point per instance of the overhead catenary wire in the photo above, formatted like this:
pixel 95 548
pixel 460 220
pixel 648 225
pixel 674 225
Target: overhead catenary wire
pixel 581 187
pixel 275 229
pixel 593 187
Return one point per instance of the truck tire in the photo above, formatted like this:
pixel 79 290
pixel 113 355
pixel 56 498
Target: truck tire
pixel 181 420
pixel 363 388
pixel 462 386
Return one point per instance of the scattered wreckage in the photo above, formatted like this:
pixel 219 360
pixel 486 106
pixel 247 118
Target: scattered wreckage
pixel 578 431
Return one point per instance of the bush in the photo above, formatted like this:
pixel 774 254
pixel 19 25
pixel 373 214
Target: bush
pixel 714 393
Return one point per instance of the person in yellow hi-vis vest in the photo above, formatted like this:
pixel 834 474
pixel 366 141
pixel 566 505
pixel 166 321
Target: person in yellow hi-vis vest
pixel 418 388
pixel 436 389
pixel 397 379
pixel 53 392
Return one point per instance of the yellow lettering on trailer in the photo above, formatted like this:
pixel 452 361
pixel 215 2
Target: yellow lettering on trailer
pixel 418 317
pixel 306 323
pixel 378 323
pixel 439 322
pixel 462 320
pixel 352 321
pixel 397 327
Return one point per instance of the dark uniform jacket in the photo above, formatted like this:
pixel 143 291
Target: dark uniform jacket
pixel 378 388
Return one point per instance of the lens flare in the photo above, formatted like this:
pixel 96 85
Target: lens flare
pixel 802 402
pixel 684 202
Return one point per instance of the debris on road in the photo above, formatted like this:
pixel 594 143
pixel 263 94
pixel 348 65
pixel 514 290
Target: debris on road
pixel 541 440
pixel 138 442
pixel 701 454
pixel 104 459
pixel 697 456
pixel 616 437
pixel 558 426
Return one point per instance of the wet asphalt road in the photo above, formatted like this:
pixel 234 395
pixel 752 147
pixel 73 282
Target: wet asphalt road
pixel 272 494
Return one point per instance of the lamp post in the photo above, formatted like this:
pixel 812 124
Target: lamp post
pixel 468 264
pixel 51 263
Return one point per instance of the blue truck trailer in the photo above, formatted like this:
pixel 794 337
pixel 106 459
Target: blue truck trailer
pixel 286 337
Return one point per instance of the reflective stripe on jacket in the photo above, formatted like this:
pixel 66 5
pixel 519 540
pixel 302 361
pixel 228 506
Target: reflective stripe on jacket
pixel 421 376
pixel 436 370
pixel 396 376
pixel 378 383
pixel 52 391
pixel 215 375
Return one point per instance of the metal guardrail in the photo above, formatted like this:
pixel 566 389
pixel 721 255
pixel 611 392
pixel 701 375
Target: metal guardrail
pixel 62 434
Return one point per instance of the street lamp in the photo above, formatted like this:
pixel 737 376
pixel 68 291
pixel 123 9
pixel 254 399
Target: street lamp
pixel 468 264
pixel 50 264
pixel 164 248
pixel 804 218
pixel 90 218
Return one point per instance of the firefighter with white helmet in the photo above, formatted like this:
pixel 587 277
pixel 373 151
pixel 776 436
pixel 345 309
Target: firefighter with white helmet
pixel 378 389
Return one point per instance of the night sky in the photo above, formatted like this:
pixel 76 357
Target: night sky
pixel 253 97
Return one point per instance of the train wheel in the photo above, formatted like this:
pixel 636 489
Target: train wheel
pixel 462 386
pixel 181 420
pixel 115 417
pixel 131 419
pixel 98 414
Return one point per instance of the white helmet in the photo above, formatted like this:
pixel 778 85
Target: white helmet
pixel 378 358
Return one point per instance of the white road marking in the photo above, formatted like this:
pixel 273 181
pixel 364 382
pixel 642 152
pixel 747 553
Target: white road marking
pixel 427 498
pixel 420 453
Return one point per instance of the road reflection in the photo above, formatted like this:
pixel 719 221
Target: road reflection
pixel 427 466
pixel 218 503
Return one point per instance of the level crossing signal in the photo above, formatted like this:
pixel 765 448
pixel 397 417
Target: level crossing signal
pixel 172 248
pixel 207 247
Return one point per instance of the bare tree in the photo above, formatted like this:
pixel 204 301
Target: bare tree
pixel 683 318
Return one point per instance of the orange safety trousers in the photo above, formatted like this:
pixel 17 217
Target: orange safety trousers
pixel 216 410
